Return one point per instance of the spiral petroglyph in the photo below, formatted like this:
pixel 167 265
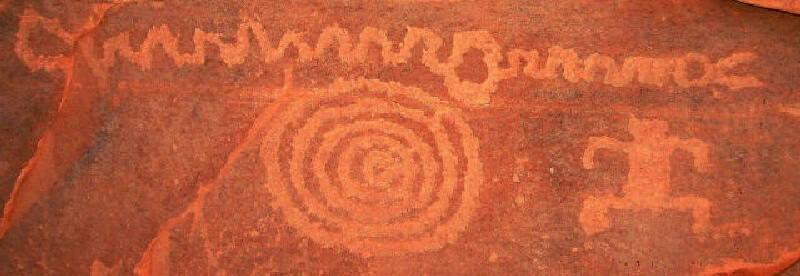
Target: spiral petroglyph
pixel 378 168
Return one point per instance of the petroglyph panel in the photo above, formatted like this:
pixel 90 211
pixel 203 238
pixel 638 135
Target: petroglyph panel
pixel 466 137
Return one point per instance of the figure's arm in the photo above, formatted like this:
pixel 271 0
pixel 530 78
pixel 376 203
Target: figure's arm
pixel 596 143
pixel 699 150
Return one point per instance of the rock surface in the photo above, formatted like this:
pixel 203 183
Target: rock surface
pixel 399 138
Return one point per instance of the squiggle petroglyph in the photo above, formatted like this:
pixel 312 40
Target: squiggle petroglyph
pixel 378 168
pixel 560 62
pixel 648 176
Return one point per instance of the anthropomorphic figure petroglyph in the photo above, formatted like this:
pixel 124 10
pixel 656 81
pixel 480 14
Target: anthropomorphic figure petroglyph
pixel 648 186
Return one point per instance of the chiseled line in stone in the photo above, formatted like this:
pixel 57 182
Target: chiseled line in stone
pixel 573 68
pixel 363 107
pixel 355 210
pixel 651 71
pixel 410 169
pixel 359 237
pixel 353 230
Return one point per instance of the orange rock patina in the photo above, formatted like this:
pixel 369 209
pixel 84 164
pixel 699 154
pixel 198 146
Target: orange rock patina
pixel 400 138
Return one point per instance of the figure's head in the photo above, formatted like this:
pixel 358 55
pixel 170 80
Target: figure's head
pixel 647 127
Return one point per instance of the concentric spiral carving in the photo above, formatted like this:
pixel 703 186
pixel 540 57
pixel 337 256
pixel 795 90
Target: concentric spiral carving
pixel 378 168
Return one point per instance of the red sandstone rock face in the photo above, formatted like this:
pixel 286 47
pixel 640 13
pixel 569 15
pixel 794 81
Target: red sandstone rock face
pixel 399 138
pixel 792 6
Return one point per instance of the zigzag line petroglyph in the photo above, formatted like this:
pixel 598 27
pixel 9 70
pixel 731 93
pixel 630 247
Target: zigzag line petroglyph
pixel 560 62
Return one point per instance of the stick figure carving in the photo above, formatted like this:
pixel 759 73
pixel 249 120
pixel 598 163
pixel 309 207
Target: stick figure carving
pixel 648 178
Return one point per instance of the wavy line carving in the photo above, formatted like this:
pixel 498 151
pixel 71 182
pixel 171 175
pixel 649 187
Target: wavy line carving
pixel 559 62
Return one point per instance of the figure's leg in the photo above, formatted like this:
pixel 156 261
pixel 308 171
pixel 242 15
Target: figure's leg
pixel 701 211
pixel 594 216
